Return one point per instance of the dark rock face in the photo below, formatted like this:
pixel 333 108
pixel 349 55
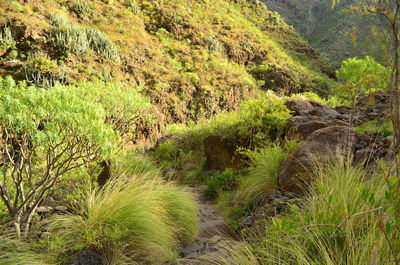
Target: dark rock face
pixel 326 143
pixel 87 257
pixel 221 153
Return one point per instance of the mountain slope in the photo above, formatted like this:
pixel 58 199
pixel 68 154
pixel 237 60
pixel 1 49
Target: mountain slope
pixel 192 58
pixel 334 32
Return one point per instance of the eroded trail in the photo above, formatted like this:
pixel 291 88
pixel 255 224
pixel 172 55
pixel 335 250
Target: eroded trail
pixel 214 231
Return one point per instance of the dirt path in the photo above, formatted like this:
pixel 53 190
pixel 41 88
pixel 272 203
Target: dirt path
pixel 213 232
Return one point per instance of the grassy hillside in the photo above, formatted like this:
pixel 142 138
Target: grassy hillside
pixel 191 58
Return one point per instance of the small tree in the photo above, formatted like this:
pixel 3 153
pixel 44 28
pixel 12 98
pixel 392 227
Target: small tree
pixel 125 106
pixel 45 134
pixel 360 76
pixel 389 11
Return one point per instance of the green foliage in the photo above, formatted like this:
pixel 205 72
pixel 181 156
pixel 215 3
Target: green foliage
pixel 222 182
pixel 48 138
pixel 258 121
pixel 123 103
pixel 44 116
pixel 132 6
pixel 360 76
pixel 332 101
pixel 136 218
pixel 81 8
pixel 44 72
pixel 6 39
pixel 133 163
pixel 72 38
pixel 386 128
pixel 20 253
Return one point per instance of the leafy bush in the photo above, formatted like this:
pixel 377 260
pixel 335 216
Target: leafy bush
pixel 124 104
pixel 135 219
pixel 386 128
pixel 257 122
pixel 222 182
pixel 47 138
pixel 360 76
pixel 331 101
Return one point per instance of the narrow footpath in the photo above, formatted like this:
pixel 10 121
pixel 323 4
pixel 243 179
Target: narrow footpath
pixel 214 231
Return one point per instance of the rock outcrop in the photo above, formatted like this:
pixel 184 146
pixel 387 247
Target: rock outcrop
pixel 334 142
pixel 327 135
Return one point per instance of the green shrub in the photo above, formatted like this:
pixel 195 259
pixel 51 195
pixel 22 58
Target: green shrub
pixel 99 42
pixel 124 104
pixel 222 182
pixel 72 38
pixel 81 8
pixel 69 38
pixel 257 122
pixel 132 6
pixel 331 101
pixel 139 219
pixel 134 163
pixel 386 128
pixel 54 138
pixel 44 72
pixel 361 76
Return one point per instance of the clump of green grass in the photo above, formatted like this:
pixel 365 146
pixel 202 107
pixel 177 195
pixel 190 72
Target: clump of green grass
pixel 140 219
pixel 16 252
pixel 232 253
pixel 338 223
pixel 261 174
pixel 134 163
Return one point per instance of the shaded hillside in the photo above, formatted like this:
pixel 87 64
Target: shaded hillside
pixel 334 32
pixel 191 58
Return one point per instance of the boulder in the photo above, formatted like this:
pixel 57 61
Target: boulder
pixel 334 142
pixel 221 153
pixel 305 107
pixel 300 127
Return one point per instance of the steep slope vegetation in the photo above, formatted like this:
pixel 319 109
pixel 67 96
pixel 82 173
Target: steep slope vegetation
pixel 333 32
pixel 191 58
